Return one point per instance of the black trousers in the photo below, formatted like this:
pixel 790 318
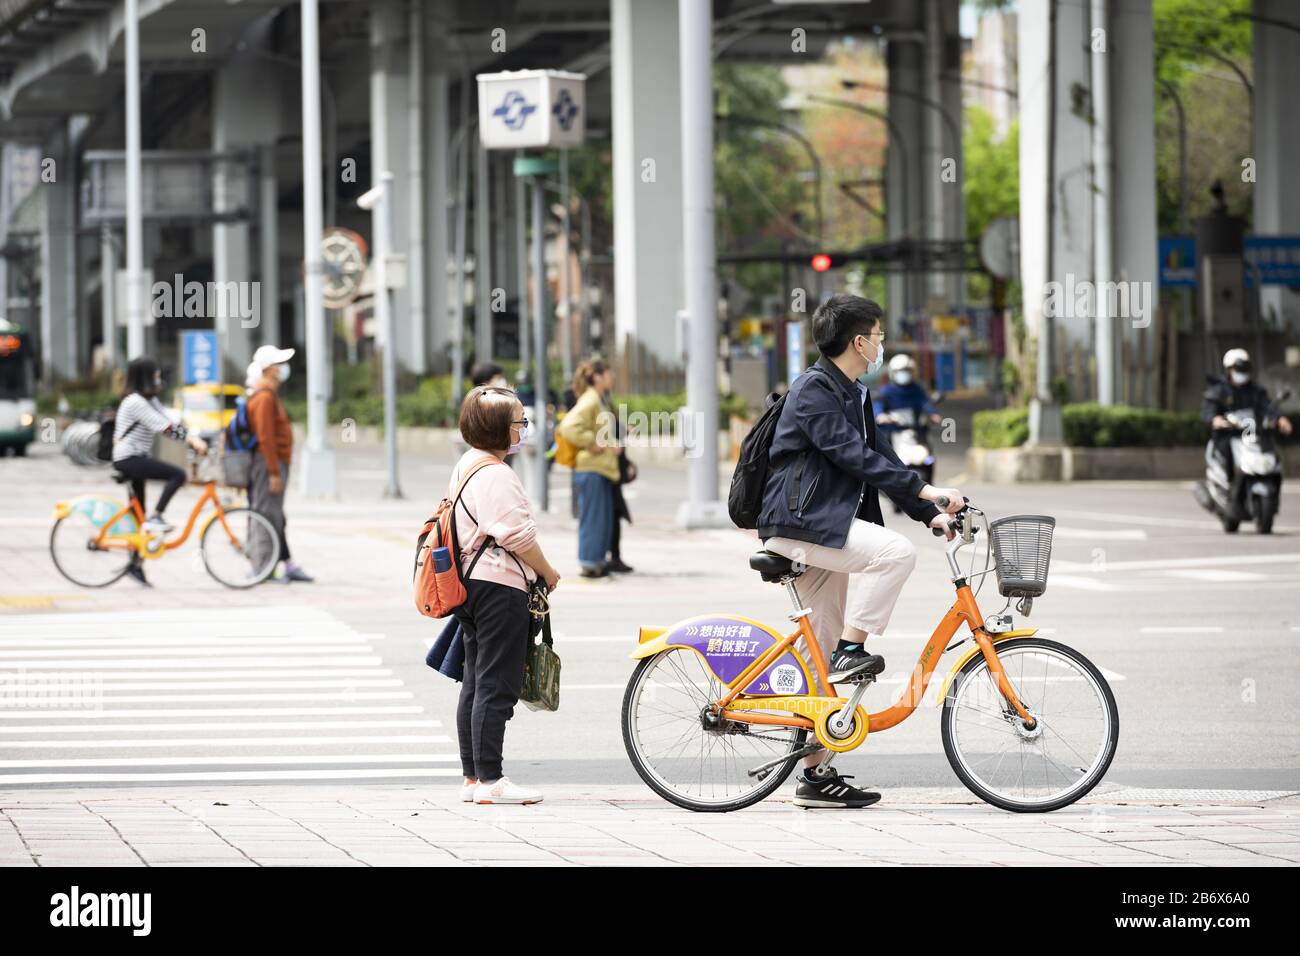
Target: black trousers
pixel 141 467
pixel 495 620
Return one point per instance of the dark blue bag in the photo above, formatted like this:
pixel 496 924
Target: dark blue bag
pixel 447 655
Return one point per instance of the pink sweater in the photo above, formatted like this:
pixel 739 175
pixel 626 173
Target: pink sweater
pixel 495 499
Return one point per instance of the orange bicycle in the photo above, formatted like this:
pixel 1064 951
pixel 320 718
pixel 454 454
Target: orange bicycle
pixel 95 538
pixel 720 708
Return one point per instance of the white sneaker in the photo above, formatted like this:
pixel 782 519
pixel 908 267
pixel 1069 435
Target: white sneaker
pixel 157 525
pixel 467 790
pixel 503 791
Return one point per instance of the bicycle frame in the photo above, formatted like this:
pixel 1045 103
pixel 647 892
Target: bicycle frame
pixel 139 541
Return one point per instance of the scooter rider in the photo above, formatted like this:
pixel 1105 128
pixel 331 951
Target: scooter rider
pixel 1234 392
pixel 903 391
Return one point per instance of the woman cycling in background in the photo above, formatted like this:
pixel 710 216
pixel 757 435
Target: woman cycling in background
pixel 140 416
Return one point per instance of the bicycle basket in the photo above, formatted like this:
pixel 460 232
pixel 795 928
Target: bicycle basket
pixel 1022 550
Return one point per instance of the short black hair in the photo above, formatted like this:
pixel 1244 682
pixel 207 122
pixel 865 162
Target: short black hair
pixel 484 372
pixel 840 318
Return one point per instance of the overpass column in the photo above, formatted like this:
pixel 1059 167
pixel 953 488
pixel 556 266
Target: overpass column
pixel 59 328
pixel 246 116
pixel 1277 147
pixel 644 81
pixel 436 159
pixel 390 151
pixel 907 171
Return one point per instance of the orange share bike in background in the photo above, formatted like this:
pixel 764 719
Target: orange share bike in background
pixel 95 538
pixel 720 709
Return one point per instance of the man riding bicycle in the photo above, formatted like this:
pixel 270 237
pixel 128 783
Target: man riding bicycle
pixel 821 507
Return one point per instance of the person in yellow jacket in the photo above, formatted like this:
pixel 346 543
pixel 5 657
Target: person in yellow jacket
pixel 589 427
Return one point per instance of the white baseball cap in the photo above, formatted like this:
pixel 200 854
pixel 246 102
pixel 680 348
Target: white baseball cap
pixel 269 355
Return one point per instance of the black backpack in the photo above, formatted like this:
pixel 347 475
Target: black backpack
pixel 107 425
pixel 745 499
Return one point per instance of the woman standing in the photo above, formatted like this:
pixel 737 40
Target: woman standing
pixel 589 426
pixel 498 538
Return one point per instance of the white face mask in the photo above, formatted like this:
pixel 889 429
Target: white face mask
pixel 902 378
pixel 517 446
pixel 283 371
pixel 873 365
pixel 1239 378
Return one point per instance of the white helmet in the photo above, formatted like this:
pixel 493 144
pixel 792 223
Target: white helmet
pixel 1236 358
pixel 902 363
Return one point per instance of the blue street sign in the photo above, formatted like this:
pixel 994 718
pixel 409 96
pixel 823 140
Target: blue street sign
pixel 793 351
pixel 199 358
pixel 945 371
pixel 1177 261
pixel 1276 257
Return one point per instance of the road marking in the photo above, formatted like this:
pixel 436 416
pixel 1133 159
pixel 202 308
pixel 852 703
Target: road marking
pixel 166 662
pixel 1162 564
pixel 231 776
pixel 252 760
pixel 106 700
pixel 177 651
pixel 1181 629
pixel 209 726
pixel 213 712
pixel 26 679
pixel 1098 534
pixel 1221 577
pixel 155 677
pixel 164 742
pixel 127 644
pixel 1081 584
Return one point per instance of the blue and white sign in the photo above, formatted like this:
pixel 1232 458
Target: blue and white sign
pixel 1177 261
pixel 200 362
pixel 520 109
pixel 1276 257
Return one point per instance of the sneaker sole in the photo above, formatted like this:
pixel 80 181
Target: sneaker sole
pixel 509 803
pixel 833 804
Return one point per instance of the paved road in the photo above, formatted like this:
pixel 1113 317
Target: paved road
pixel 190 683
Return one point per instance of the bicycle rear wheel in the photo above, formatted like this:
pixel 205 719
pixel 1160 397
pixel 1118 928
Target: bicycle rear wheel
pixel 242 551
pixel 697 767
pixel 1031 770
pixel 75 554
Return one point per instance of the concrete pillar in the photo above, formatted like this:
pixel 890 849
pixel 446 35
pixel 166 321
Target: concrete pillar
pixel 1276 148
pixel 389 141
pixel 1055 186
pixel 247 115
pixel 905 175
pixel 644 86
pixel 437 165
pixel 268 241
pixel 60 347
pixel 1134 254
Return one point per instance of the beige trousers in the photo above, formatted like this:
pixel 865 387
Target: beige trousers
pixel 857 584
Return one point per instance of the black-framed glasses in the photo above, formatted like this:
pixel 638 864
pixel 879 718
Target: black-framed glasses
pixel 521 421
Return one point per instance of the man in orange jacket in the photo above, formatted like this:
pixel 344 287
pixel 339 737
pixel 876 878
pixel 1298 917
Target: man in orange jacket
pixel 270 471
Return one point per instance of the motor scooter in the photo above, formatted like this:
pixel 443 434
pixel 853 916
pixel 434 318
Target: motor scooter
pixel 1253 489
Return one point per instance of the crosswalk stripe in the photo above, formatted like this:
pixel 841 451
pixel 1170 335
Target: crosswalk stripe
pixel 165 742
pixel 228 776
pixel 213 712
pixel 216 761
pixel 185 695
pixel 103 700
pixel 251 726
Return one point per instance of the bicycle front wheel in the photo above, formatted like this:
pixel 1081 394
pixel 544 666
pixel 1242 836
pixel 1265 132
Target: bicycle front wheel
pixel 242 550
pixel 80 559
pixel 1031 769
pixel 688 759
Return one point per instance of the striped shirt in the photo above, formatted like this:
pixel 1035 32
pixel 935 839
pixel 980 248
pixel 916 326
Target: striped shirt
pixel 138 420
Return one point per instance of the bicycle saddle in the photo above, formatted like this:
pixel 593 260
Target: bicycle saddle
pixel 120 478
pixel 773 567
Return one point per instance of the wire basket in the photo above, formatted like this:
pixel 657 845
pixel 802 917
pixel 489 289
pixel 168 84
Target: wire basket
pixel 1022 551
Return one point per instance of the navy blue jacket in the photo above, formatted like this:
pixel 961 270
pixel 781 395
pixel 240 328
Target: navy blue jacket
pixel 824 473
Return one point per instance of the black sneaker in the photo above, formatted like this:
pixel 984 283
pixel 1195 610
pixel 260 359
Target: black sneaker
pixel 618 567
pixel 831 791
pixel 854 662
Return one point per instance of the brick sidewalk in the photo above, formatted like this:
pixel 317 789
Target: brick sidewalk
pixel 391 826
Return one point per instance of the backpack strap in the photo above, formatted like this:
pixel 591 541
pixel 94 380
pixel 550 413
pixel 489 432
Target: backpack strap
pixel 488 541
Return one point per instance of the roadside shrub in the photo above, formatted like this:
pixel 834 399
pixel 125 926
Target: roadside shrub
pixel 1089 425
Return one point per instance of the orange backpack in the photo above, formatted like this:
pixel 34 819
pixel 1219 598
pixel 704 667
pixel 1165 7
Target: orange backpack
pixel 438 593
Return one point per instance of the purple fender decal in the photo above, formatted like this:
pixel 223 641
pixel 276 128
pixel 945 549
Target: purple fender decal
pixel 728 644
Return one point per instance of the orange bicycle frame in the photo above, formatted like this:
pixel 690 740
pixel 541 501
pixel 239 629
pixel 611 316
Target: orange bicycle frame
pixel 137 540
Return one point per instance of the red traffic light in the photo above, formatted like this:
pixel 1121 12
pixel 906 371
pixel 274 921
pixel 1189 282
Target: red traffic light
pixel 821 262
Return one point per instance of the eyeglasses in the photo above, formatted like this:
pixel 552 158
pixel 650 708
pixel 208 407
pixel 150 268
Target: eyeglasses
pixel 877 334
pixel 522 421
